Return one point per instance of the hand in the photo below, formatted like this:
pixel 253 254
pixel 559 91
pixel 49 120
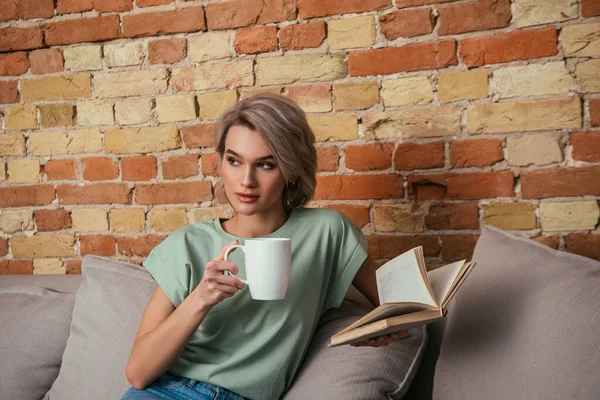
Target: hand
pixel 215 285
pixel 380 341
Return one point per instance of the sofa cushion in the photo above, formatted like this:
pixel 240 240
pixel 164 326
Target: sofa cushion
pixel 106 315
pixel 356 373
pixel 525 325
pixel 34 326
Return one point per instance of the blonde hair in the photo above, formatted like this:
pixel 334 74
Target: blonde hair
pixel 283 126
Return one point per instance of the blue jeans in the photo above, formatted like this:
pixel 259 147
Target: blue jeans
pixel 169 386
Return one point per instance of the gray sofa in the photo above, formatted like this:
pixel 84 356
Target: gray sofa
pixel 525 325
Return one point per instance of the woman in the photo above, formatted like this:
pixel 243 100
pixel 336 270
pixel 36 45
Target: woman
pixel 200 325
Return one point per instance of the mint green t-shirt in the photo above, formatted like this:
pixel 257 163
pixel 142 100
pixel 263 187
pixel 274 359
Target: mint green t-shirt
pixel 253 347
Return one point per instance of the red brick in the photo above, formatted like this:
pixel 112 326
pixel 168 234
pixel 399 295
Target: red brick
pixel 209 164
pixel 73 6
pixel 587 245
pixel 113 5
pixel 46 60
pixel 419 156
pixel 369 156
pixel 142 168
pixel 560 182
pixel 189 19
pixel 74 267
pixel 14 63
pixel 259 39
pixel 100 169
pixel 180 167
pixel 30 9
pixel 195 136
pixel 302 36
pixel 138 246
pixel 52 220
pixel 319 8
pixel 358 214
pixel 16 267
pixel 595 112
pixel 475 153
pixel 359 187
pixel 24 196
pixel 83 30
pixel 586 146
pixel 61 169
pixel 12 39
pixel 411 3
pixel 513 46
pixel 452 216
pixel 173 193
pixel 458 247
pixel 9 92
pixel 99 245
pixel 241 13
pixel 3 247
pixel 167 51
pixel 462 186
pixel 550 241
pixel 412 57
pixel 590 8
pixel 98 193
pixel 309 94
pixel 327 158
pixel 407 23
pixel 381 246
pixel 149 3
pixel 8 10
pixel 472 16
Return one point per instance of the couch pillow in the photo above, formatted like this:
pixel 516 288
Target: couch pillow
pixel 356 373
pixel 525 325
pixel 106 315
pixel 34 326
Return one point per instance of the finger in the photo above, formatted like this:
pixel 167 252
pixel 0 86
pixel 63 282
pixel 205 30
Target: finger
pixel 226 288
pixel 223 266
pixel 229 281
pixel 221 255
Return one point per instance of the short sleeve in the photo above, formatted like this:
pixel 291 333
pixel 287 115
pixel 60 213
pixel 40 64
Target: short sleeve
pixel 351 247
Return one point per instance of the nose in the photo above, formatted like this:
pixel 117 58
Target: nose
pixel 248 178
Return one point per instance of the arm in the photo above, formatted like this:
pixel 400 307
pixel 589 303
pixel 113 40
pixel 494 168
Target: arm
pixel 366 282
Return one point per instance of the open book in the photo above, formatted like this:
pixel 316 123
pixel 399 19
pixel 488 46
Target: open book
pixel 409 296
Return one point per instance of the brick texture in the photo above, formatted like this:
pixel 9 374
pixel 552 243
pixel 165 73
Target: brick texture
pixel 475 153
pixel 302 36
pixel 462 186
pixel 189 19
pixel 359 187
pixel 255 40
pixel 560 182
pixel 419 156
pixel 83 30
pixel 407 23
pixel 369 156
pixel 473 16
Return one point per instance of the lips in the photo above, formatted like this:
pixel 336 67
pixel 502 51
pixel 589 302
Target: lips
pixel 247 197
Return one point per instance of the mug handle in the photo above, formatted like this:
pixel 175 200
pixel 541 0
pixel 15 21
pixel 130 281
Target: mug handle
pixel 229 250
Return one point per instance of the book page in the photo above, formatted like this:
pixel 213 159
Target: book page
pixel 400 280
pixel 442 278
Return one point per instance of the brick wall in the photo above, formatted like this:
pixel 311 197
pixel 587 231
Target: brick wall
pixel 432 117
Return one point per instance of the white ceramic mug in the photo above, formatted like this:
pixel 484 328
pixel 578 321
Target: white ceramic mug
pixel 268 266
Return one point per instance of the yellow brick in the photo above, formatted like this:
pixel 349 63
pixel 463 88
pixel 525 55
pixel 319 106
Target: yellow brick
pixel 130 83
pixel 176 108
pixel 426 122
pixel 83 58
pixel 128 220
pixel 89 220
pixel 72 142
pixel 588 76
pixel 213 76
pixel 2 171
pixel 212 105
pixel 209 46
pixel 12 221
pixel 58 114
pixel 569 216
pixel 168 220
pixel 21 117
pixel 563 113
pixel 351 33
pixel 48 266
pixel 538 12
pixel 532 80
pixel 334 127
pixel 12 144
pixel 398 217
pixel 311 99
pixel 581 40
pixel 133 111
pixel 510 216
pixel 302 67
pixel 43 246
pixel 142 140
pixel 204 214
pixel 355 96
pixel 406 91
pixel 95 112
pixel 537 149
pixel 24 171
pixel 467 85
pixel 123 54
pixel 64 87
pixel 245 93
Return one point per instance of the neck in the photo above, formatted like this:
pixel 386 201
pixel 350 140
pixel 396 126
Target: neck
pixel 250 226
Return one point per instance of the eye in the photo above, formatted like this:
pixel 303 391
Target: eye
pixel 266 165
pixel 233 161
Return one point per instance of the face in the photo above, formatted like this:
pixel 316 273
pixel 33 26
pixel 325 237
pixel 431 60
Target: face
pixel 253 181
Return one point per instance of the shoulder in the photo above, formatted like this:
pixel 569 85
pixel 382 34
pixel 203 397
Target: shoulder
pixel 187 236
pixel 332 220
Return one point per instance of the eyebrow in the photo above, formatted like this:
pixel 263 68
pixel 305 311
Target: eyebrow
pixel 269 157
